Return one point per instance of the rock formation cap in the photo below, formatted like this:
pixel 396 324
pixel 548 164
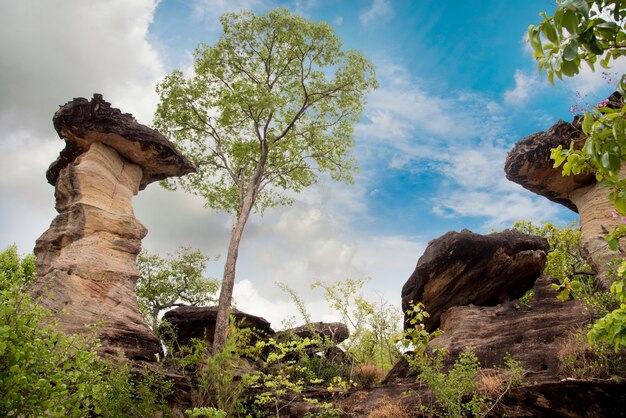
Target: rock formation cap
pixel 529 165
pixel 82 122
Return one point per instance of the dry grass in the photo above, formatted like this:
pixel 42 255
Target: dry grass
pixel 368 374
pixel 491 383
pixel 388 408
pixel 578 359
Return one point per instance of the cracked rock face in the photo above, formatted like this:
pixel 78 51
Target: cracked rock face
pixel 86 260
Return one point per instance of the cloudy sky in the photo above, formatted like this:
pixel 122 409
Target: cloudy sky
pixel 458 87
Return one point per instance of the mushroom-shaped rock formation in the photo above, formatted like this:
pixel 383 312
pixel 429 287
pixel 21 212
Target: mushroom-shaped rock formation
pixel 465 268
pixel 86 260
pixel 189 322
pixel 529 165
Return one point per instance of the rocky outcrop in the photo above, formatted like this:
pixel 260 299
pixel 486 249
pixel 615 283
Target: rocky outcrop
pixel 463 268
pixel 529 165
pixel 567 399
pixel 531 334
pixel 334 331
pixel 86 268
pixel 188 322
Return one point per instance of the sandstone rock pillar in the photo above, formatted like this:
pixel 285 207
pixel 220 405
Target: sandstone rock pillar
pixel 529 165
pixel 86 260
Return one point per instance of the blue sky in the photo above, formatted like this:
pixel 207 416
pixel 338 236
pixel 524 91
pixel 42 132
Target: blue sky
pixel 458 87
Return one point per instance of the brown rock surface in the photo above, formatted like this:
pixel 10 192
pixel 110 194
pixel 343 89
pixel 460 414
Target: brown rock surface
pixel 199 322
pixel 566 399
pixel 530 334
pixel 86 259
pixel 465 268
pixel 529 165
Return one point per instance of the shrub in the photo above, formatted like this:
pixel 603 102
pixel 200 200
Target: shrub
pixel 44 372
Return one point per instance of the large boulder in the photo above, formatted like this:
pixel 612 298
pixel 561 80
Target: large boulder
pixel 463 268
pixel 334 331
pixel 189 322
pixel 86 260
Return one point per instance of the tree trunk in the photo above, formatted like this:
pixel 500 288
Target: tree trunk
pixel 228 280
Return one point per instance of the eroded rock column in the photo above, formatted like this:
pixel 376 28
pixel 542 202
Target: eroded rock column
pixel 529 165
pixel 86 260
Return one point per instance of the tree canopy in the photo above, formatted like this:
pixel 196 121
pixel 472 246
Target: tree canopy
pixel 268 108
pixel 173 280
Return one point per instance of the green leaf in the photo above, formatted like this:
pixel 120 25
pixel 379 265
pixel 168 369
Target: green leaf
pixel 570 21
pixel 581 6
pixel 569 68
pixel 550 33
pixel 570 52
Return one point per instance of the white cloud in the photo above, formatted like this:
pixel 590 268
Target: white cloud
pixel 52 52
pixel 56 50
pixel 525 85
pixel 379 11
pixel 500 210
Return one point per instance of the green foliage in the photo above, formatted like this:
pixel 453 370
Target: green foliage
pixel 589 31
pixel 563 260
pixel 592 31
pixel 44 372
pixel 218 383
pixel 416 337
pixel 207 412
pixel 612 327
pixel 133 395
pixel 165 282
pixel 372 327
pixel 581 360
pixel 15 270
pixel 454 390
pixel 262 110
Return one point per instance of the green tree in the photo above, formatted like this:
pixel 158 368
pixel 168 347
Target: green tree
pixel 592 31
pixel 564 261
pixel 167 282
pixel 269 106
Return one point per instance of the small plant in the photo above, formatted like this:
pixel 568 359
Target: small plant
pixel 205 412
pixel 415 337
pixel 219 384
pixel 455 390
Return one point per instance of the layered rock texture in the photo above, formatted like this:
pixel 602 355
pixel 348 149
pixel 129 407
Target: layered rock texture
pixel 463 268
pixel 529 165
pixel 188 322
pixel 86 260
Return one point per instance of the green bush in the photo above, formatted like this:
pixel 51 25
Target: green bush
pixel 44 372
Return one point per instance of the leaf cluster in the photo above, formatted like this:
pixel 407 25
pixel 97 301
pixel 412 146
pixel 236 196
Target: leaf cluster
pixel 268 107
pixel 580 31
